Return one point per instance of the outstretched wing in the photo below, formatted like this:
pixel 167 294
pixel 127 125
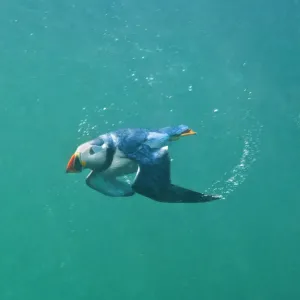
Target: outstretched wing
pixel 153 176
pixel 109 186
pixel 153 180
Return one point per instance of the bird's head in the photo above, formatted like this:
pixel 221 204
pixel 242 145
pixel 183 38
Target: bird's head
pixel 90 155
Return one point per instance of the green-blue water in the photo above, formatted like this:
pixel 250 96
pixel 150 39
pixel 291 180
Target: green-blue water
pixel 70 70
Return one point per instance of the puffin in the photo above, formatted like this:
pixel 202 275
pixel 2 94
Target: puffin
pixel 113 156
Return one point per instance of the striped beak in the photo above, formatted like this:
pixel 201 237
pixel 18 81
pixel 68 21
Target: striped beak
pixel 74 165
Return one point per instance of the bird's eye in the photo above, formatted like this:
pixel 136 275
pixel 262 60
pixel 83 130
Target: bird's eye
pixel 96 145
pixel 94 149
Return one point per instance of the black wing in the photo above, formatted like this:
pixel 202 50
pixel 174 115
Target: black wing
pixel 153 180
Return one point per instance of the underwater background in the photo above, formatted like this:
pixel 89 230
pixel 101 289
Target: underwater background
pixel 71 70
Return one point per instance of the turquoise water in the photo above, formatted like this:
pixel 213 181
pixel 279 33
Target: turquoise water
pixel 71 70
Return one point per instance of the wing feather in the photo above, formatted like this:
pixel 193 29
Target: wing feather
pixel 153 180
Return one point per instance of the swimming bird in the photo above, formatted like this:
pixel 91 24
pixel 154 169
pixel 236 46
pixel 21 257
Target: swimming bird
pixel 141 151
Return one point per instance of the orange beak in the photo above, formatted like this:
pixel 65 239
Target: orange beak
pixel 74 165
pixel 188 132
pixel 185 133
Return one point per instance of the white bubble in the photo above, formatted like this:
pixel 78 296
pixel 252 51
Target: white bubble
pixel 239 173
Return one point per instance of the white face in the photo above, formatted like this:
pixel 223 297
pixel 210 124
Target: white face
pixel 92 156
